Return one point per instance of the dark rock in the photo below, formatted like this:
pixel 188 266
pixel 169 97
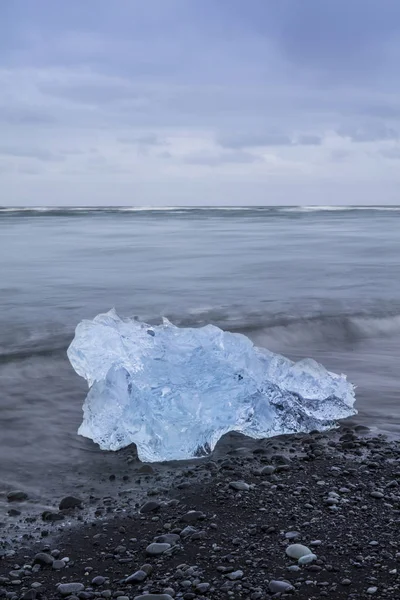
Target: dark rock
pixel 150 506
pixel 98 581
pixel 155 549
pixel 192 516
pixel 68 589
pixel 48 515
pixel 17 496
pixel 70 502
pixel 153 597
pixel 42 558
pixel 168 538
pixel 30 595
pixel 137 577
pixel 280 587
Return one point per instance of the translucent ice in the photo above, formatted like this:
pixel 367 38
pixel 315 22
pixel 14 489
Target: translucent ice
pixel 175 391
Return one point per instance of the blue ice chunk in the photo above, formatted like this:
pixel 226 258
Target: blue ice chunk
pixel 175 391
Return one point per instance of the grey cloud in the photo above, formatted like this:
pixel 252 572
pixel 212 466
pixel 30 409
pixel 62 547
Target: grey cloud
pixel 91 91
pixel 309 140
pixel 392 153
pixel 369 132
pixel 214 160
pixel 25 115
pixel 36 153
pixel 339 156
pixel 150 139
pixel 253 140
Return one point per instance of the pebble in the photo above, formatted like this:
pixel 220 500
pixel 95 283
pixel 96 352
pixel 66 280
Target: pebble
pixel 292 535
pixel 99 580
pixel 192 516
pixel 307 559
pixel 372 590
pixel 168 538
pixel 267 470
pixel 42 558
pixel 48 515
pixel 297 551
pixel 150 506
pixel 70 502
pixel 149 597
pixel 155 549
pixel 58 565
pixel 17 496
pixel 137 577
pixel 202 588
pixel 240 486
pixel 280 587
pixel 68 589
pixel 235 575
pixel 346 582
pixel 377 495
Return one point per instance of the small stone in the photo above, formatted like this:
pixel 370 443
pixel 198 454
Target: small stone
pixel 148 569
pixel 202 588
pixel 149 597
pixel 137 577
pixel 58 565
pixel 235 575
pixel 69 589
pixel 168 538
pixel 48 515
pixel 297 551
pixel 292 535
pixel 307 559
pixel 346 582
pixel 156 549
pixel 30 595
pixel 267 470
pixel 378 496
pixel 98 581
pixel 70 502
pixel 17 496
pixel 150 506
pixel 42 558
pixel 280 587
pixel 372 590
pixel 240 486
pixel 192 516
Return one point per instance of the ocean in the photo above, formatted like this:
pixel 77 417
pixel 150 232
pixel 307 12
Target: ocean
pixel 320 282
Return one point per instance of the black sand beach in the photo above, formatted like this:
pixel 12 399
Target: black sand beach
pixel 337 493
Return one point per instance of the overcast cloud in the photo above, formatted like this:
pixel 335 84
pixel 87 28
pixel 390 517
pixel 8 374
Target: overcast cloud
pixel 193 102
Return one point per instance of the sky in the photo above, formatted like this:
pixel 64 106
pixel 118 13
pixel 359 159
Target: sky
pixel 199 102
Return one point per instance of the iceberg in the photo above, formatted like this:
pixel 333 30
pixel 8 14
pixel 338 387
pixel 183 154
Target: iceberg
pixel 175 391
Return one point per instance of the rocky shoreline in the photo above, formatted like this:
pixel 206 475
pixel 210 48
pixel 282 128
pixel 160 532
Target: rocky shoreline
pixel 304 516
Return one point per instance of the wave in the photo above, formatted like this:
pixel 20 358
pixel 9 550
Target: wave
pixel 82 210
pixel 334 330
pixel 274 331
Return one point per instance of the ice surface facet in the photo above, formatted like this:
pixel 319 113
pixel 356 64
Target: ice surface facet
pixel 175 391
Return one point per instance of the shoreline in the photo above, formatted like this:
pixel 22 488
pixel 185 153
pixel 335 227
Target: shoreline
pixel 337 493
